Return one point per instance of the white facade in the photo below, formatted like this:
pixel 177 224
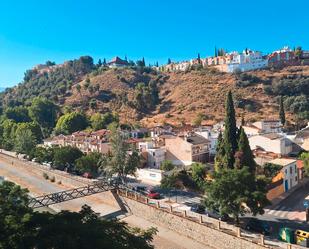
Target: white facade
pixel 271 143
pixel 269 126
pixel 155 156
pixel 212 136
pixel 149 175
pixel 289 172
pixel 251 130
pixel 246 61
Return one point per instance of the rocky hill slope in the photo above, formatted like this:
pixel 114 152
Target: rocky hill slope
pixel 150 97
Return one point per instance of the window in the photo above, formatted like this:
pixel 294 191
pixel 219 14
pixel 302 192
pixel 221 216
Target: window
pixel 291 170
pixel 153 153
pixel 295 169
pixel 286 171
pixel 295 178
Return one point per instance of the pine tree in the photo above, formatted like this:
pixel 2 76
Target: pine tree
pixel 169 61
pixel 157 64
pixel 281 112
pixel 216 52
pixel 143 62
pixel 230 131
pixel 244 156
pixel 104 62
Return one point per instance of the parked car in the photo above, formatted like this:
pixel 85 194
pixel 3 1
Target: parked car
pixel 139 188
pixel 259 226
pixel 216 214
pixel 198 209
pixel 152 194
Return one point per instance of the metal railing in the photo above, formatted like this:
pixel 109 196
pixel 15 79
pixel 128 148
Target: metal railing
pixel 71 194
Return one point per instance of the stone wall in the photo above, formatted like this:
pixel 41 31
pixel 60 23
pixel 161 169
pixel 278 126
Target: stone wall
pixel 217 238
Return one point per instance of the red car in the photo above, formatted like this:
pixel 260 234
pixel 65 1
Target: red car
pixel 152 194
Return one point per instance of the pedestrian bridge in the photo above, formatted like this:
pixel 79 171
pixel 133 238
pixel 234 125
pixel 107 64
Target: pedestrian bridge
pixel 67 195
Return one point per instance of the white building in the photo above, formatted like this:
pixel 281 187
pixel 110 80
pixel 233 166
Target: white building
pixel 271 142
pixel 289 172
pixel 211 135
pixel 268 126
pixel 153 155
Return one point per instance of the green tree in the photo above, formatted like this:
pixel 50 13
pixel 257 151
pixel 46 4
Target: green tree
pixel 9 127
pixel 281 111
pixel 25 141
pixel 15 217
pixel 21 228
pixel 43 154
pixel 35 129
pixel 169 61
pixel 305 157
pixel 18 114
pixel 220 153
pixel 44 112
pixel 167 165
pixel 71 122
pixel 89 163
pixel 93 104
pixel 122 160
pixel 78 88
pixel 227 159
pixel 65 157
pixel 236 192
pixel 244 155
pixel 198 174
pixel 271 170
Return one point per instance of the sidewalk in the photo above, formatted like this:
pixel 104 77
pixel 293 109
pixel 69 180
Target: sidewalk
pixel 276 201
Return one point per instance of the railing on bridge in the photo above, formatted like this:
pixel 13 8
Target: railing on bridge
pixel 67 195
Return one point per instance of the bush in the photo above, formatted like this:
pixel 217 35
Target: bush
pixel 167 165
pixel 46 177
pixel 52 179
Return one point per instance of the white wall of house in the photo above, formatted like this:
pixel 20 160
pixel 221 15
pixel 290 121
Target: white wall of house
pixel 155 157
pixel 152 175
pixel 212 136
pixel 280 146
pixel 273 126
pixel 289 171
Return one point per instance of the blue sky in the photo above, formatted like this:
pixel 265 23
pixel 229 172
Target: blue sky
pixel 32 32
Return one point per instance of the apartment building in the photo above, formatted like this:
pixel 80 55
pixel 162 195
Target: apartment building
pixel 186 149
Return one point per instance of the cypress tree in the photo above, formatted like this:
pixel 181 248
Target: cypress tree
pixel 230 131
pixel 143 62
pixel 281 111
pixel 244 156
pixel 169 61
pixel 220 153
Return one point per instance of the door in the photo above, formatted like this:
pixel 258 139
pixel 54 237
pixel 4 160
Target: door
pixel 286 185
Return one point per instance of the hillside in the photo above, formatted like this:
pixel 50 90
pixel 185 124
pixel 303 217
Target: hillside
pixel 149 97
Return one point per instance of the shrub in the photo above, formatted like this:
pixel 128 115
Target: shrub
pixel 46 177
pixel 52 179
